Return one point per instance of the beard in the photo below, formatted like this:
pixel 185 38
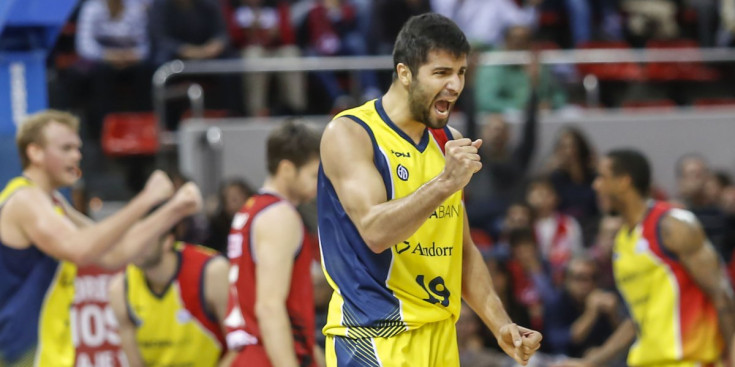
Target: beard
pixel 420 110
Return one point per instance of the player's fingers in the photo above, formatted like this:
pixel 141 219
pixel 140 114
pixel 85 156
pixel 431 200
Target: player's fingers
pixel 458 143
pixel 475 166
pixel 477 143
pixel 532 338
pixel 473 157
pixel 515 335
pixel 467 149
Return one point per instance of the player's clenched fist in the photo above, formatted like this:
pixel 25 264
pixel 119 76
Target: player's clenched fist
pixel 188 199
pixel 462 161
pixel 159 187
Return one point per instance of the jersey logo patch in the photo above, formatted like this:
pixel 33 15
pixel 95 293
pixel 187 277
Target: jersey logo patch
pixel 183 316
pixel 402 172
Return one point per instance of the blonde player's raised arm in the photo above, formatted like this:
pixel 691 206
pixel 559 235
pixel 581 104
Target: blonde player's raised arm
pixel 29 218
pixel 347 159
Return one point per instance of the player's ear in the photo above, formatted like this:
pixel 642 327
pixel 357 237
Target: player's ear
pixel 34 152
pixel 286 167
pixel 404 74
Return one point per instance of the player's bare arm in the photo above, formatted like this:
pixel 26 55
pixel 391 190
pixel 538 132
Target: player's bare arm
pixel 126 329
pixel 186 201
pixel 347 159
pixel 682 234
pixel 278 235
pixel 29 218
pixel 216 287
pixel 477 290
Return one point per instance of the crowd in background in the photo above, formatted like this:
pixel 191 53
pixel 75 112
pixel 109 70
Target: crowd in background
pixel 546 243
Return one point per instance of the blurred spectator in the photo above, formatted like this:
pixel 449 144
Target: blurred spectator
pixel 331 28
pixel 503 283
pixel 504 88
pixel 472 351
pixel 194 30
pixel 572 172
pixel 524 252
pixel 518 216
pixel 707 20
pixel 589 18
pixel 501 181
pixel 113 43
pixel 484 21
pixel 601 250
pixel 651 19
pixel 390 16
pixel 559 236
pixel 692 172
pixel 715 186
pixel 187 29
pixel 581 315
pixel 263 31
pixel 727 23
pixel 232 196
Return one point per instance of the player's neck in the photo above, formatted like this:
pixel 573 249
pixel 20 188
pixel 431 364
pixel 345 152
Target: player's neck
pixel 160 276
pixel 396 106
pixel 40 179
pixel 279 187
pixel 635 209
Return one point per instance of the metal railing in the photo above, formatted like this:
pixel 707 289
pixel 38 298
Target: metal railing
pixel 178 68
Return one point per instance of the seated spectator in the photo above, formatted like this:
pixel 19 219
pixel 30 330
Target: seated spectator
pixel 505 167
pixel 651 19
pixel 602 249
pixel 262 31
pixel 331 28
pixel 390 16
pixel 503 282
pixel 581 315
pixel 484 21
pixel 472 351
pixel 187 29
pixel 113 43
pixel 518 216
pixel 193 30
pixel 231 197
pixel 692 174
pixel 523 248
pixel 504 88
pixel 559 236
pixel 572 170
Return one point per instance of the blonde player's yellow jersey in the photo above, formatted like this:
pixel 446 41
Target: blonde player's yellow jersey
pixel 676 323
pixel 36 293
pixel 174 328
pixel 418 280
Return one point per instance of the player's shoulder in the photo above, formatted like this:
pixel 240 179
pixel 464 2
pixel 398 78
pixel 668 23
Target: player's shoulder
pixel 278 213
pixel 27 199
pixel 453 133
pixel 680 230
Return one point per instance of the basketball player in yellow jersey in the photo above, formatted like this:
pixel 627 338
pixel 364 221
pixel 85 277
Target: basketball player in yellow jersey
pixel 393 231
pixel 680 301
pixel 42 238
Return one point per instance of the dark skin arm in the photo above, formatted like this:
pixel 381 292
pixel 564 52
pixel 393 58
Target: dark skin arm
pixel 683 235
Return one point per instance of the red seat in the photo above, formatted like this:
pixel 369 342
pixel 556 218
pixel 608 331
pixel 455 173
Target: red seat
pixel 623 71
pixel 707 102
pixel 125 134
pixel 684 71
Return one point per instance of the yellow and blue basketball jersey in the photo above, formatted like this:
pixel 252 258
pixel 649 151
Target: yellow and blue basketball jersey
pixel 174 328
pixel 36 293
pixel 418 280
pixel 676 323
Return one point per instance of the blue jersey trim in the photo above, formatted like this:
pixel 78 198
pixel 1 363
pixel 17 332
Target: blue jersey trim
pixel 423 143
pixel 355 352
pixel 379 159
pixel 359 273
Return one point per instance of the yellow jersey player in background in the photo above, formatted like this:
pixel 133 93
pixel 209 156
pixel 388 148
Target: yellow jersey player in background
pixel 170 305
pixel 393 232
pixel 42 239
pixel 679 298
